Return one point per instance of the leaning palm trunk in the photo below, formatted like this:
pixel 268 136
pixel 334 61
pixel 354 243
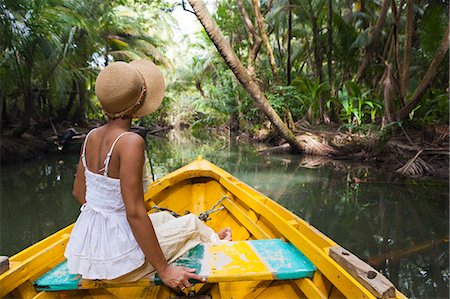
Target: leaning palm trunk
pixel 241 73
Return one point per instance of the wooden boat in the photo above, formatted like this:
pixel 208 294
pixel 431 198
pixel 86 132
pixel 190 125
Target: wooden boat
pixel 197 187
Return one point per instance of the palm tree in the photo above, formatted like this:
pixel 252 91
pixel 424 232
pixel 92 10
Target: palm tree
pixel 51 51
pixel 242 74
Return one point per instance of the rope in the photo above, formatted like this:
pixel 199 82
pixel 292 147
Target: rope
pixel 204 216
pixel 147 151
pixel 175 214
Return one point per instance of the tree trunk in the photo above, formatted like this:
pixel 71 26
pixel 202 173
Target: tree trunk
pixel 246 18
pixel 252 57
pixel 330 43
pixel 374 38
pixel 288 62
pixel 427 78
pixel 397 13
pixel 79 112
pixel 280 50
pixel 265 38
pixel 28 103
pixel 387 85
pixel 64 113
pixel 404 79
pixel 308 55
pixel 317 49
pixel 26 115
pixel 253 38
pixel 334 109
pixel 318 60
pixel 241 73
pixel 2 109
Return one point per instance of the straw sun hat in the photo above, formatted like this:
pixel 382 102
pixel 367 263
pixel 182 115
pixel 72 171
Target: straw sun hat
pixel 130 89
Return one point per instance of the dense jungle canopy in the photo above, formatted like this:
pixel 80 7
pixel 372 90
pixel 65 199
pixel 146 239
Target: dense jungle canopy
pixel 276 64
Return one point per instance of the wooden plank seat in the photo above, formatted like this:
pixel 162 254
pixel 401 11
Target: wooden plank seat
pixel 219 262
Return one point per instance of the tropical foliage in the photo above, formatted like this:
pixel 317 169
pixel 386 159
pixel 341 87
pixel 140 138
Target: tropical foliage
pixel 350 62
pixel 51 51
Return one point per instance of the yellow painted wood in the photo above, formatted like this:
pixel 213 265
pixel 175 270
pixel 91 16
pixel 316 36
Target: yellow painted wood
pixel 152 293
pixel 235 260
pixel 322 283
pixel 97 284
pixel 130 292
pixel 281 290
pixel 341 279
pixel 239 231
pixel 25 290
pixel 34 261
pixel 269 228
pixel 198 199
pixel 309 288
pixel 225 290
pixel 102 294
pixel 245 220
pixel 305 228
pixel 257 288
pixel 156 187
pixel 46 295
pixel 242 289
pixel 293 222
pixel 335 293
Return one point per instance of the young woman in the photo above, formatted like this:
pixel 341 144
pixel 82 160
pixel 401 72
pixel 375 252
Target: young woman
pixel 113 238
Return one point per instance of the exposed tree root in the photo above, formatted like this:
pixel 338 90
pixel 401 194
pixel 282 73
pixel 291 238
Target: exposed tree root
pixel 313 145
pixel 415 167
pixel 407 154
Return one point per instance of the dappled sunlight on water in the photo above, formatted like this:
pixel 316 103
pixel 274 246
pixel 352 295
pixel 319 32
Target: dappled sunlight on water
pixel 399 226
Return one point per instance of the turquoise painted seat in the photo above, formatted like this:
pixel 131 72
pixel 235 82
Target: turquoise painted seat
pixel 224 261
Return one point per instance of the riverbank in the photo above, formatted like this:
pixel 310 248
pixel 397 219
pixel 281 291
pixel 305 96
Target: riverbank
pixel 35 143
pixel 410 153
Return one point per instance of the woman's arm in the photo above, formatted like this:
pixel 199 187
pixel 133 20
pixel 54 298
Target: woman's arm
pixel 131 155
pixel 79 184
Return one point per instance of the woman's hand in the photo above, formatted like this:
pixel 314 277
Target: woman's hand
pixel 175 276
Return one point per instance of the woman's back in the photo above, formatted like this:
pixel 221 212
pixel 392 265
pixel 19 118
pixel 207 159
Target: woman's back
pixel 100 143
pixel 102 243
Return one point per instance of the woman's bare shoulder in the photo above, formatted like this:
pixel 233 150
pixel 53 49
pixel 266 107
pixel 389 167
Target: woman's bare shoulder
pixel 133 142
pixel 131 151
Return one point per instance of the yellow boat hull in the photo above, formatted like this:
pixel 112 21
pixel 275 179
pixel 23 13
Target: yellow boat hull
pixel 251 215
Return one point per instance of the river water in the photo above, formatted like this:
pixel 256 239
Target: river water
pixel 399 226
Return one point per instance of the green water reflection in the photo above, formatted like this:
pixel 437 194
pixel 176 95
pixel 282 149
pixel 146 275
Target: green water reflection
pixel 400 227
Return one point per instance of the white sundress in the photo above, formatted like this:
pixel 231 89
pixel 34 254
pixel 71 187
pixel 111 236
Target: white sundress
pixel 102 244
